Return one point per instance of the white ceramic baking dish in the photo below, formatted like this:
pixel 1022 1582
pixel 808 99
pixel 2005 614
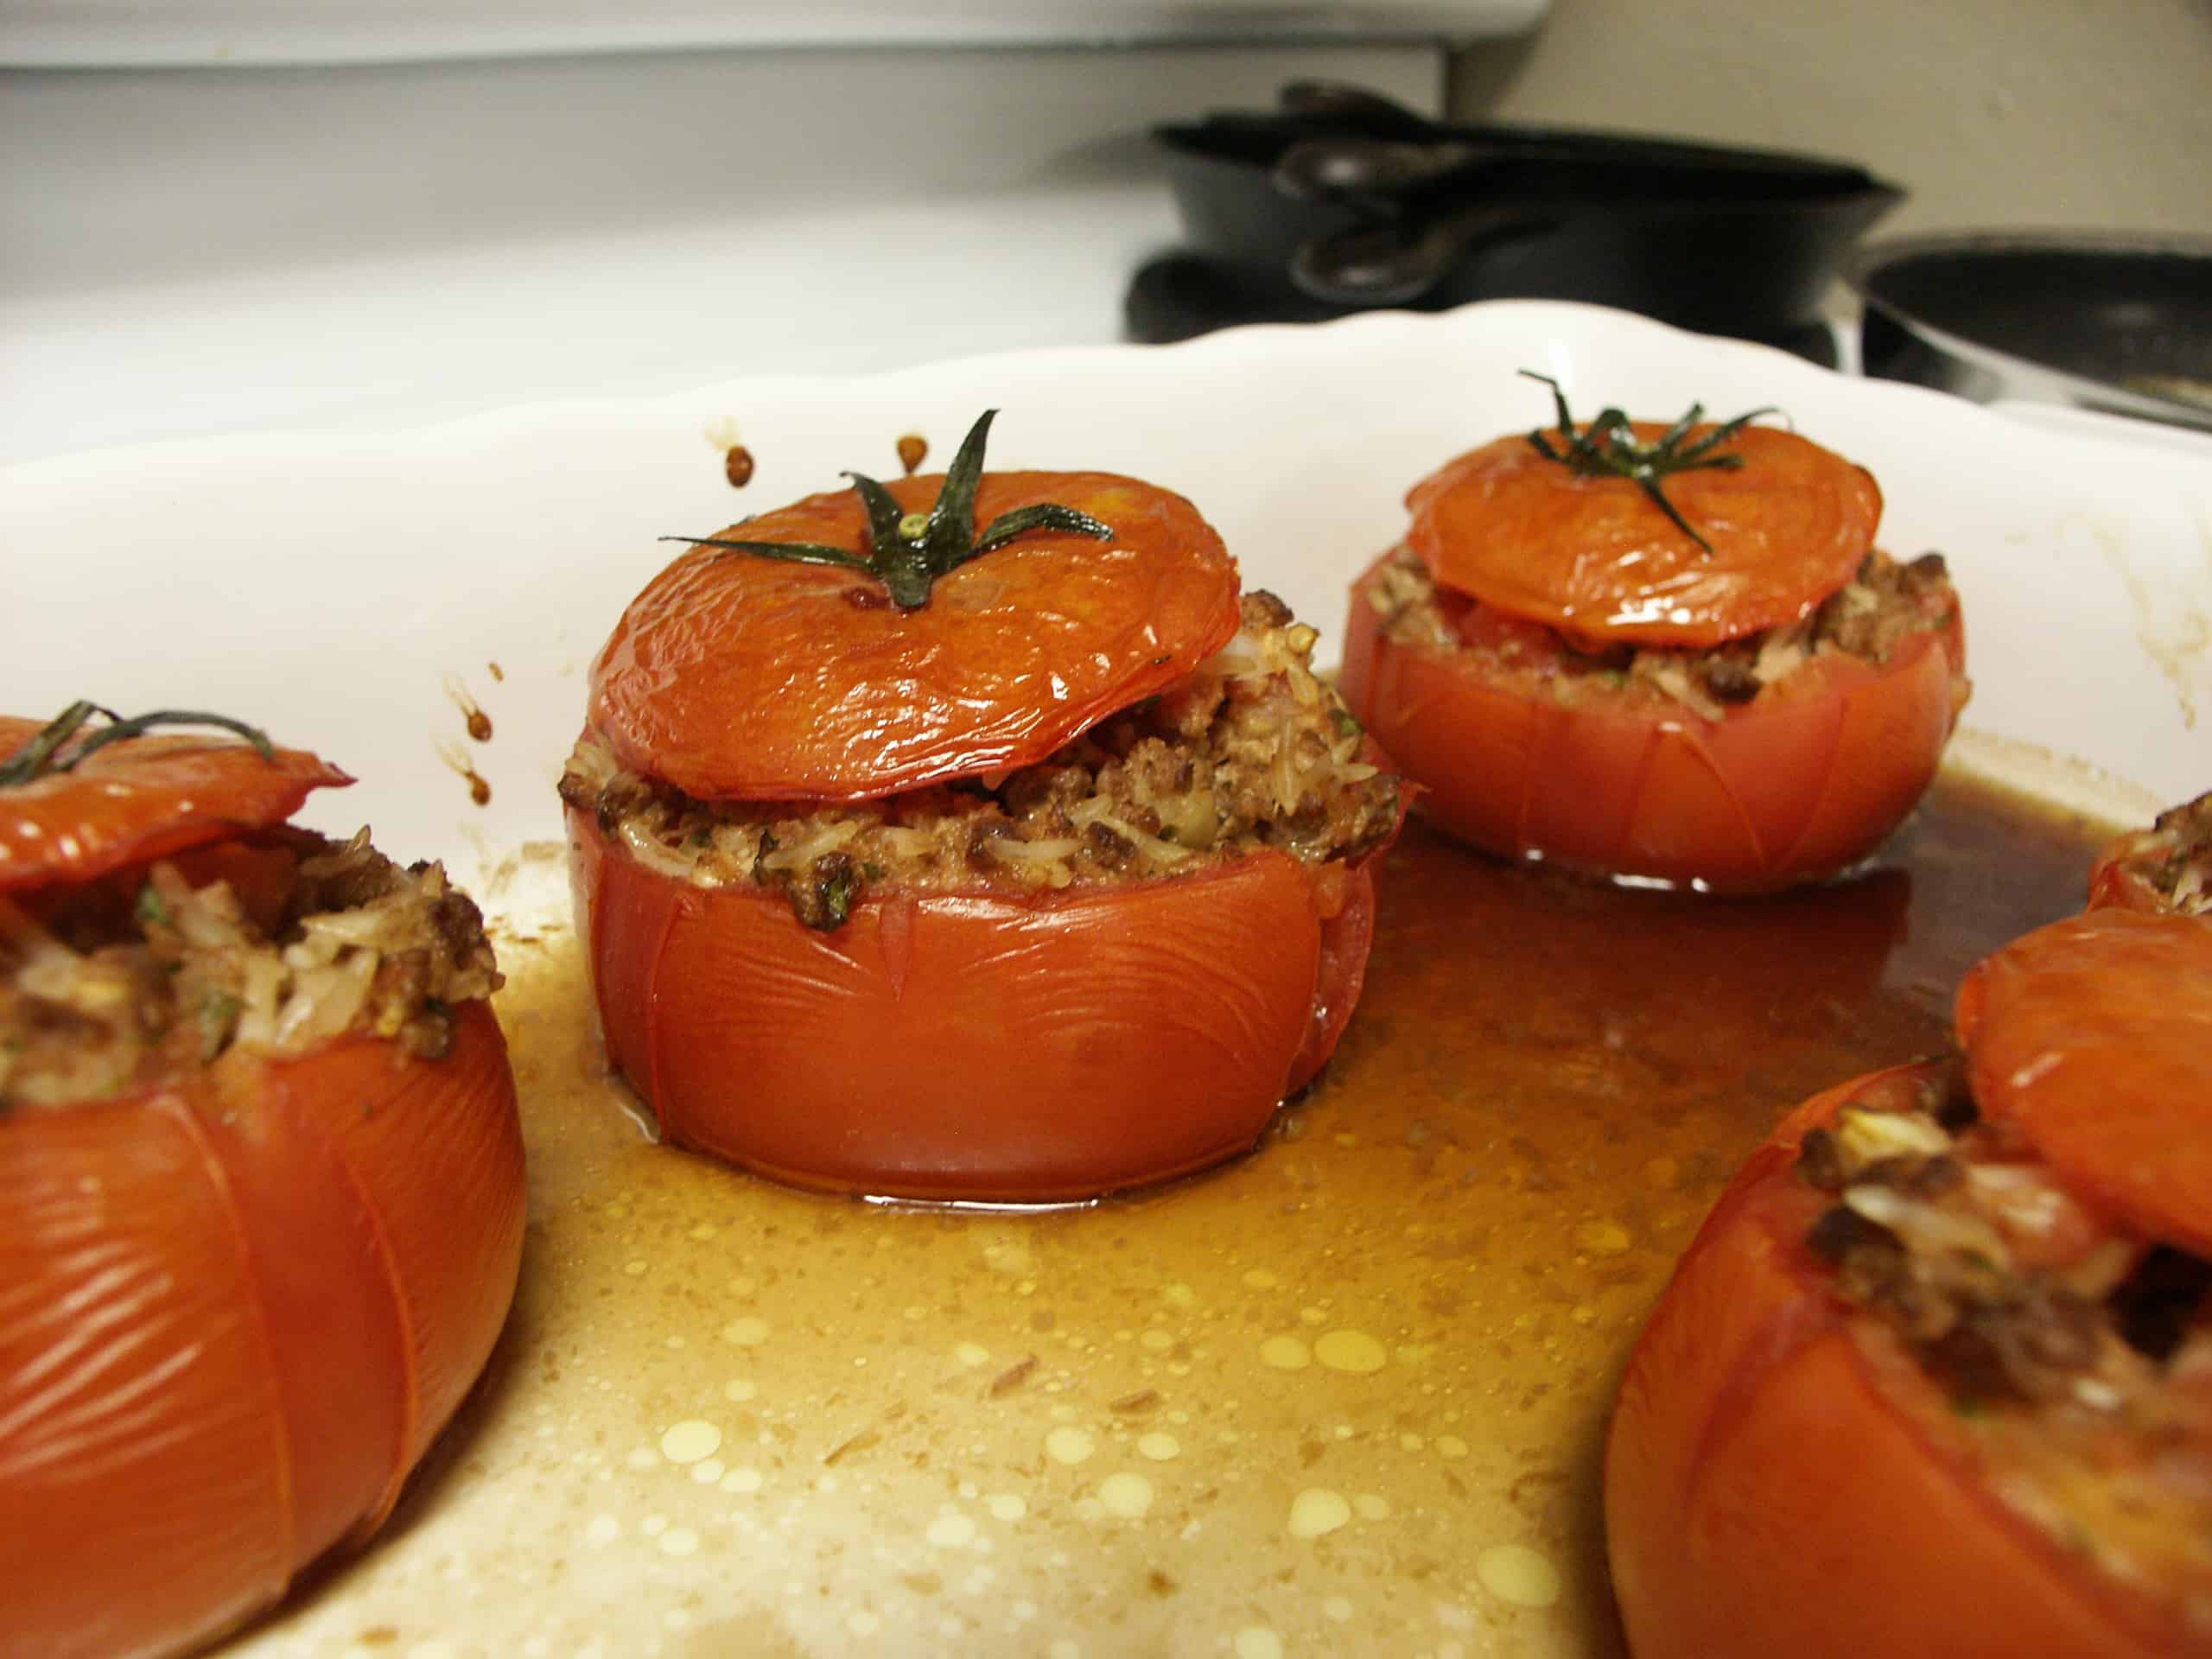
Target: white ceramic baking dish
pixel 732 1420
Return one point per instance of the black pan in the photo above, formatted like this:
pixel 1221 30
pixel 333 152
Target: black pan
pixel 1328 206
pixel 2116 322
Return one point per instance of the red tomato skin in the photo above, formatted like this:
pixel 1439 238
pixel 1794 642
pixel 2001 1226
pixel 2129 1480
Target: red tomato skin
pixel 2093 1036
pixel 1797 788
pixel 1344 896
pixel 968 1046
pixel 1781 1478
pixel 142 799
pixel 233 1312
pixel 734 677
pixel 1594 556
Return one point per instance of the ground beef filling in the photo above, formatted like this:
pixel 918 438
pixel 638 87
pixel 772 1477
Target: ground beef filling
pixel 1251 751
pixel 2080 1356
pixel 1884 604
pixel 272 946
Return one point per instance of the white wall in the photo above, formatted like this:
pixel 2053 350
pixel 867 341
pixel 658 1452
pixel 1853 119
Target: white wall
pixel 1991 112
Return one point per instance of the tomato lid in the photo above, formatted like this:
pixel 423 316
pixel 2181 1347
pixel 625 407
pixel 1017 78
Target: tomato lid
pixel 140 798
pixel 2094 1038
pixel 1593 556
pixel 734 676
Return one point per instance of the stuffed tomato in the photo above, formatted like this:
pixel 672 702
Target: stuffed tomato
pixel 1024 862
pixel 261 1181
pixel 1936 1376
pixel 2167 868
pixel 1667 654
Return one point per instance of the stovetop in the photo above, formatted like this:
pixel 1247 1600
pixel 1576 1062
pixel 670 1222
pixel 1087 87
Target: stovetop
pixel 1179 295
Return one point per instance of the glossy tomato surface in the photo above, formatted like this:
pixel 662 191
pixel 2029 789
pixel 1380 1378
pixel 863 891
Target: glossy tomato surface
pixel 235 1307
pixel 2094 1036
pixel 144 799
pixel 734 677
pixel 1596 557
pixel 1783 1479
pixel 1798 785
pixel 232 1315
pixel 969 1045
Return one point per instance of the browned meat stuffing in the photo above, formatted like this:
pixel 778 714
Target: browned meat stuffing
pixel 1251 751
pixel 2003 1283
pixel 1885 603
pixel 273 946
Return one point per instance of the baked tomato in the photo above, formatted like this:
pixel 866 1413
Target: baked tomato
pixel 1936 1376
pixel 1670 654
pixel 2165 867
pixel 1023 865
pixel 261 1184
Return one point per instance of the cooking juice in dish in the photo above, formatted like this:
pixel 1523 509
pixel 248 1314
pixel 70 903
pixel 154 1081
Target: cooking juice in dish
pixel 1349 1390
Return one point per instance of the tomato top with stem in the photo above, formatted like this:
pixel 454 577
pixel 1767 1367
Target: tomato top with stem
pixel 75 805
pixel 739 677
pixel 1753 528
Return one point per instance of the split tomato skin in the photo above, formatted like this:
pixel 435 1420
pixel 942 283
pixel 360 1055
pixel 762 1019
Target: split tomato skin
pixel 734 677
pixel 2116 877
pixel 968 1045
pixel 2134 870
pixel 1796 786
pixel 234 1311
pixel 1781 1478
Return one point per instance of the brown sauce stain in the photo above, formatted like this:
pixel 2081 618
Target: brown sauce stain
pixel 1406 1311
pixel 913 450
pixel 479 788
pixel 2172 623
pixel 497 672
pixel 474 721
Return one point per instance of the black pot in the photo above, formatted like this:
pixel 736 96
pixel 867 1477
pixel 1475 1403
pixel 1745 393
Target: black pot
pixel 1299 214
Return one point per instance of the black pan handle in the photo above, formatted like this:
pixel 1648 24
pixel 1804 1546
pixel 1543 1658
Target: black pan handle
pixel 1394 263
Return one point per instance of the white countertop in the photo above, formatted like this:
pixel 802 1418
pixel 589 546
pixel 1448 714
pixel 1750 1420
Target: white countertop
pixel 140 33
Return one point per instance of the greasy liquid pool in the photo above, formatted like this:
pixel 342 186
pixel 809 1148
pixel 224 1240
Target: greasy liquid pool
pixel 1346 1395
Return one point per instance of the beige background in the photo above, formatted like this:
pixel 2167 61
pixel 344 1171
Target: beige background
pixel 1991 113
